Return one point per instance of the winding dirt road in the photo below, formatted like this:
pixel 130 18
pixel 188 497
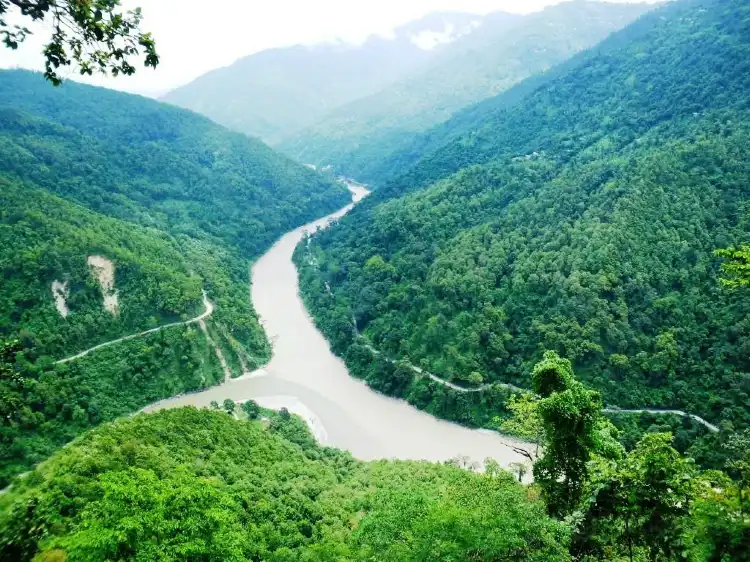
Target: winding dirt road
pixel 198 319
pixel 610 410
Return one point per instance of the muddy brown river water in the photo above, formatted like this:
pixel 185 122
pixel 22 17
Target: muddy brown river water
pixel 308 379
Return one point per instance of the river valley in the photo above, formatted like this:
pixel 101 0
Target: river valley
pixel 308 379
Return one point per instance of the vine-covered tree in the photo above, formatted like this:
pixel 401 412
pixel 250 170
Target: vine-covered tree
pixel 651 504
pixel 94 35
pixel 10 381
pixel 570 414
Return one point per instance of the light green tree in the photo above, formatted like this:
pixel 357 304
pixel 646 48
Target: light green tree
pixel 524 422
pixel 736 267
pixel 570 415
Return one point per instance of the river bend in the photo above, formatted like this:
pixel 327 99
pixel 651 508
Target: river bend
pixel 307 378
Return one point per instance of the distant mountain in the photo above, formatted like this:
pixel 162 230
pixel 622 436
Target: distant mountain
pixel 276 92
pixel 500 53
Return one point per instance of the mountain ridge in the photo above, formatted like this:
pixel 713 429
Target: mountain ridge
pixel 271 93
pixel 494 58
pixel 534 231
pixel 177 204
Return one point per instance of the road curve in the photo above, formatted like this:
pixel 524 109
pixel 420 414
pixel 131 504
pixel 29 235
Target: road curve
pixel 610 410
pixel 711 427
pixel 209 310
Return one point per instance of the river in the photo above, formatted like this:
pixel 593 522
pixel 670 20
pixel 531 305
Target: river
pixel 308 379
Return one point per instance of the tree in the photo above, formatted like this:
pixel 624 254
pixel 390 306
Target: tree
pixel 8 352
pixel 570 415
pixel 252 409
pixel 639 506
pixel 738 465
pixel 11 381
pixel 524 422
pixel 736 268
pixel 721 530
pixel 519 468
pixel 659 488
pixel 95 35
pixel 229 406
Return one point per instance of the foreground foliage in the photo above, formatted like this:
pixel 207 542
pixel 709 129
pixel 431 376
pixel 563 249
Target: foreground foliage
pixel 189 484
pixel 205 485
pixel 648 504
pixel 95 36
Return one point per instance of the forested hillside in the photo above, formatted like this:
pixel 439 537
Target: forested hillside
pixel 277 92
pixel 499 54
pixel 177 204
pixel 582 219
pixel 200 485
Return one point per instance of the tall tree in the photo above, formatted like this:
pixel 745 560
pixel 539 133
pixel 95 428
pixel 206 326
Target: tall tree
pixel 738 466
pixel 94 35
pixel 570 415
pixel 11 382
pixel 639 507
pixel 659 488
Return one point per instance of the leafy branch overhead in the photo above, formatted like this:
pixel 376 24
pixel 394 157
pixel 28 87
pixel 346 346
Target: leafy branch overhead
pixel 94 35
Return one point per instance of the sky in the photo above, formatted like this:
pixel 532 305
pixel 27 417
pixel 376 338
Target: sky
pixel 195 36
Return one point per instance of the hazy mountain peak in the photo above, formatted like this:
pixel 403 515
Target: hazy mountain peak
pixel 276 92
pixel 429 39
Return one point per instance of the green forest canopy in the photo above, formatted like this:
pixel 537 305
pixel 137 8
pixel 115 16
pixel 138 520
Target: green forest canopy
pixel 179 204
pixel 201 485
pixel 581 219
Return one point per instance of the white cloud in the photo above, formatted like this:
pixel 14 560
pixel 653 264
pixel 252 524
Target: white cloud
pixel 194 36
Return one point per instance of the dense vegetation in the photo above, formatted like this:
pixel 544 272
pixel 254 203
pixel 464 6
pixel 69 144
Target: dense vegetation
pixel 49 405
pixel 154 164
pixel 179 204
pixel 200 485
pixel 647 504
pixel 581 219
pixel 44 237
pixel 502 52
pixel 92 37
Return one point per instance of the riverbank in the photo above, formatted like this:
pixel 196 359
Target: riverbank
pixel 304 371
